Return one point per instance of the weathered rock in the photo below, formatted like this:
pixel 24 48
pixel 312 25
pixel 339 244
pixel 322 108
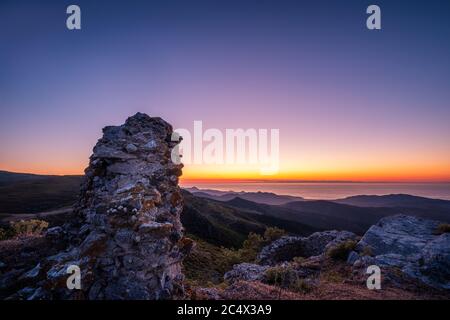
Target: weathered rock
pixel 207 294
pixel 246 271
pixel 287 248
pixel 408 244
pixel 127 237
pixel 33 273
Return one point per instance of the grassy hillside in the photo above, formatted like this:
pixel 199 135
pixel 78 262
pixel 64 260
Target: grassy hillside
pixel 212 221
pixel 221 224
pixel 323 214
pixel 228 223
pixel 37 193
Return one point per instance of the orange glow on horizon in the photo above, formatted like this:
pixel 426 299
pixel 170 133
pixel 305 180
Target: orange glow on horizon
pixel 212 174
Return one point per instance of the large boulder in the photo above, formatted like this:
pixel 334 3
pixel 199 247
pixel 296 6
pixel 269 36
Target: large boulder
pixel 289 247
pixel 408 244
pixel 127 238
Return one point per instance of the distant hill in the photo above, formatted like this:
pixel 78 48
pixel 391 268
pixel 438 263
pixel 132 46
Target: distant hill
pixel 259 197
pixel 226 218
pixel 395 200
pixel 33 196
pixel 310 214
pixel 28 193
pixel 327 215
pixel 221 224
pixel 7 177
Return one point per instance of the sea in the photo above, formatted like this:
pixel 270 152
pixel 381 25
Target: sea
pixel 331 190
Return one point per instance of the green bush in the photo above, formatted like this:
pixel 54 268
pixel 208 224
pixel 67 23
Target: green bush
pixel 286 277
pixel 251 247
pixel 341 250
pixel 367 251
pixel 443 228
pixel 3 234
pixel 273 233
pixel 6 233
pixel 332 276
pixel 275 275
pixel 300 285
pixel 255 242
pixel 207 263
pixel 299 260
pixel 29 227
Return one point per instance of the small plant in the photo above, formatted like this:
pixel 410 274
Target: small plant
pixel 251 246
pixel 3 234
pixel 367 251
pixel 442 228
pixel 341 251
pixel 273 233
pixel 275 275
pixel 29 227
pixel 332 276
pixel 298 260
pixel 300 285
pixel 286 277
pixel 6 233
pixel 255 242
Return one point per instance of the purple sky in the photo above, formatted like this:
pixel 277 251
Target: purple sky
pixel 349 102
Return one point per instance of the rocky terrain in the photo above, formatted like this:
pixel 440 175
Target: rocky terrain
pixel 126 233
pixel 413 256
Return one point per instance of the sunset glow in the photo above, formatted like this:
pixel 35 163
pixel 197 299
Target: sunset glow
pixel 353 106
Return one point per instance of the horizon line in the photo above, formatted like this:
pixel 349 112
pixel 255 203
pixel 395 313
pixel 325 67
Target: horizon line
pixel 254 180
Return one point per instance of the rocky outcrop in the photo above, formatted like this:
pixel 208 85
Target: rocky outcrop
pixel 246 271
pixel 287 248
pixel 408 244
pixel 127 239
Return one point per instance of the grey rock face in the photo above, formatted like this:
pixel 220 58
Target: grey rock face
pixel 409 244
pixel 127 238
pixel 246 271
pixel 287 248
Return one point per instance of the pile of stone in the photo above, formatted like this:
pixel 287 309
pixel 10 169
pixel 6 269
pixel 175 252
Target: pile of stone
pixel 127 238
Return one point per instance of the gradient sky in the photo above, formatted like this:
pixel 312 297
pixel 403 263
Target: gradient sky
pixel 351 104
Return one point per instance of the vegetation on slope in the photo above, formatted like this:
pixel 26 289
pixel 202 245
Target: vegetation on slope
pixel 39 194
pixel 207 263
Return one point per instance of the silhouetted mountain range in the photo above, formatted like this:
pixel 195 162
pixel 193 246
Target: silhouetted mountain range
pixel 260 197
pixel 226 225
pixel 395 200
pixel 225 218
pixel 30 193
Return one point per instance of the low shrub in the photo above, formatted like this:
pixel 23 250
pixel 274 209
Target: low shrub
pixel 207 263
pixel 273 233
pixel 286 277
pixel 6 233
pixel 442 228
pixel 367 251
pixel 332 276
pixel 29 227
pixel 3 234
pixel 341 250
pixel 255 242
pixel 302 286
pixel 275 275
